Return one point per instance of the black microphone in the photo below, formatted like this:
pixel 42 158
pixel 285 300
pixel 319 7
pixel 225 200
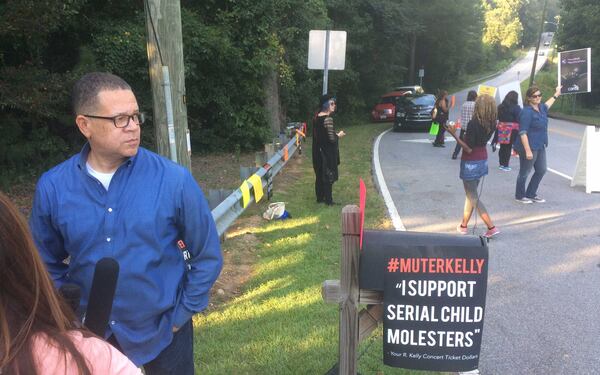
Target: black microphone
pixel 102 294
pixel 71 293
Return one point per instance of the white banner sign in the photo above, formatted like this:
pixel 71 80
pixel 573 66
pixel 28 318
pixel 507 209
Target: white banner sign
pixel 337 49
pixel 505 89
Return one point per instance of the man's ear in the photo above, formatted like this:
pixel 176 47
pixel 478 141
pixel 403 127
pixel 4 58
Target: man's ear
pixel 83 123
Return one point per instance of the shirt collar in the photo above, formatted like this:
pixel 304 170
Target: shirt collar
pixel 85 150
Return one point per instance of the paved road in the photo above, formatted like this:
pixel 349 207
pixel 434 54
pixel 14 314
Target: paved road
pixel 544 277
pixel 519 71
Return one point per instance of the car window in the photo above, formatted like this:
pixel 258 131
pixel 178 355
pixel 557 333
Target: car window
pixel 423 100
pixel 388 99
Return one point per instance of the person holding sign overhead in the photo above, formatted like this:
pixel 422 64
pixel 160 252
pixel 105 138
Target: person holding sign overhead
pixel 531 144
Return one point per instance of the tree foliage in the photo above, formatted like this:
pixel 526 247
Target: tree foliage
pixel 230 48
pixel 502 24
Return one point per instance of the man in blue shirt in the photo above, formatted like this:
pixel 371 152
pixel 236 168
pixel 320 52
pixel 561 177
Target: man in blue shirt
pixel 116 199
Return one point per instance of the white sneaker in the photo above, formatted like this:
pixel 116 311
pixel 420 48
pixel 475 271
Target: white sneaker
pixel 537 199
pixel 524 200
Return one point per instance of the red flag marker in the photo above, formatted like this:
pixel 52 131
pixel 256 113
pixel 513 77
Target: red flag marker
pixel 363 201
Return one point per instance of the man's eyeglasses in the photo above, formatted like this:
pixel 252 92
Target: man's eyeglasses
pixel 122 121
pixel 536 96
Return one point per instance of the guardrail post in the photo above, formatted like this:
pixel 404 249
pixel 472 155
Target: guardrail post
pixel 270 150
pixel 246 172
pixel 349 290
pixel 260 158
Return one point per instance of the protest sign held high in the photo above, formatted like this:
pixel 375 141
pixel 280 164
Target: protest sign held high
pixel 574 71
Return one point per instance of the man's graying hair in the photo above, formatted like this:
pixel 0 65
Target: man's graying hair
pixel 85 91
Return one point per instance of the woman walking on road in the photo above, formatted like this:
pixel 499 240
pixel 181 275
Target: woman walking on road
pixel 325 150
pixel 473 164
pixel 531 144
pixel 466 114
pixel 508 128
pixel 441 105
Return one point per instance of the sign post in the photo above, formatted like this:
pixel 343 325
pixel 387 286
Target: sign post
pixel 326 51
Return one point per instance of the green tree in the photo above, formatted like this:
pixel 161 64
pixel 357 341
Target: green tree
pixel 502 24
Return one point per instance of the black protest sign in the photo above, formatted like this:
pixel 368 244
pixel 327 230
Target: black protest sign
pixel 574 71
pixel 434 297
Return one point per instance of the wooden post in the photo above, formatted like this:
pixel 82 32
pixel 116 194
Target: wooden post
pixel 164 46
pixel 349 290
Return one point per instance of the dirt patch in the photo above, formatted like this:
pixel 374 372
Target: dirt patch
pixel 240 245
pixel 221 171
pixel 239 256
pixel 22 195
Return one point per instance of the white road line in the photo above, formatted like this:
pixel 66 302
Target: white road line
pixel 426 140
pixel 387 198
pixel 560 174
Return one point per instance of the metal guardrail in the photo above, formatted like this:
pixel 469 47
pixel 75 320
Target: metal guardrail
pixel 231 208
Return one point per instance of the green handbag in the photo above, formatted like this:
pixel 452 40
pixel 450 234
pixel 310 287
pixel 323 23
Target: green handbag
pixel 434 129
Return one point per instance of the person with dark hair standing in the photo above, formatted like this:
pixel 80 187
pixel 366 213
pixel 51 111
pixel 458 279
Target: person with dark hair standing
pixel 531 144
pixel 325 150
pixel 466 114
pixel 508 128
pixel 473 164
pixel 116 199
pixel 442 107
pixel 37 327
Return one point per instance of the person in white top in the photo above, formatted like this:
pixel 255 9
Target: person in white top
pixel 466 114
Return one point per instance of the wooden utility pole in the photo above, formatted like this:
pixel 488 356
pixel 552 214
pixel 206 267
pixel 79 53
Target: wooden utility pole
pixel 411 66
pixel 165 48
pixel 537 47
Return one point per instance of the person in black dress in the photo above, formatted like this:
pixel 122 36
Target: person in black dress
pixel 325 151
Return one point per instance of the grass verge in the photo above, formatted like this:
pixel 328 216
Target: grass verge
pixel 278 323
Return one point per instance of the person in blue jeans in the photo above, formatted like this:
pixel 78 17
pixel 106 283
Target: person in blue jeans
pixel 531 144
pixel 117 199
pixel 474 161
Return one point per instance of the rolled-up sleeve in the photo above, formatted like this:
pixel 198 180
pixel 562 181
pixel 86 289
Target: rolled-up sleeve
pixel 525 118
pixel 202 241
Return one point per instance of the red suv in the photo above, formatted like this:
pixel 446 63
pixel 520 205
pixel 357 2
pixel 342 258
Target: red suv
pixel 385 110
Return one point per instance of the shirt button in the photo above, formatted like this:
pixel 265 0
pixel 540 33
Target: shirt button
pixel 107 239
pixel 109 209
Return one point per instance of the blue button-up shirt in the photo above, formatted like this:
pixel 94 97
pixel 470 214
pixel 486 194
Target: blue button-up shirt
pixel 150 205
pixel 535 125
